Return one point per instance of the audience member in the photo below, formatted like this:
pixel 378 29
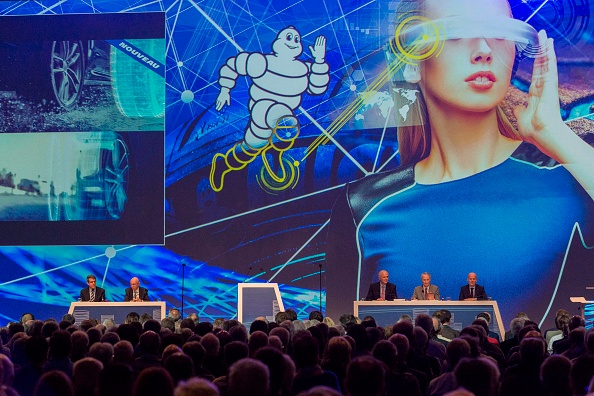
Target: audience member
pixel 248 377
pixel 153 381
pixel 365 377
pixel 54 383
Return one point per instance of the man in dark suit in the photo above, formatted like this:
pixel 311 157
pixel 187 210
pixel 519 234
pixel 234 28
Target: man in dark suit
pixel 447 331
pixel 136 293
pixel 472 291
pixel 382 290
pixel 93 292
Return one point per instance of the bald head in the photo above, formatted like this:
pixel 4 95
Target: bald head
pixel 134 283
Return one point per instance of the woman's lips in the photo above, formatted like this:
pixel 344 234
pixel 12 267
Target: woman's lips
pixel 481 80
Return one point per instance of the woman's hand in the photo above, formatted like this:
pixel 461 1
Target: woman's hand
pixel 540 123
pixel 540 119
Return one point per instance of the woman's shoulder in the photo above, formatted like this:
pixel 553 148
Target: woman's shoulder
pixel 364 193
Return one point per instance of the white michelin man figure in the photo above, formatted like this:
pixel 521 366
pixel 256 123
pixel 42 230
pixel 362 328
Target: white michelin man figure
pixel 279 80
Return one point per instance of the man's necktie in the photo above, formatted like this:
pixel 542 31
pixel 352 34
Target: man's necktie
pixel 472 292
pixel 136 294
pixel 92 295
pixel 383 292
pixel 426 294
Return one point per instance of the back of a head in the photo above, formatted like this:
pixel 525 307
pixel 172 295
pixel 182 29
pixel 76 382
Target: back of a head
pixel 554 375
pixel 54 383
pixel 123 352
pixel 425 322
pixel 79 343
pixel 7 372
pixel 577 336
pixel 456 350
pixel 402 345
pixel 291 314
pixel 482 322
pixel 48 328
pixel 239 333
pixel 446 316
pixel 532 351
pixel 581 374
pixel 305 351
pixel 277 367
pixel 259 325
pixel 317 315
pixel 365 377
pixel 85 375
pixel 283 334
pixel 203 328
pixel 187 324
pixel 15 327
pixel 59 344
pixel 170 350
pixel 386 352
pixel 36 350
pixel 180 366
pixel 116 380
pixel 153 381
pixel 421 339
pixel 516 325
pixel 196 386
pixel 248 377
pixel 575 322
pixel 347 320
pixel 111 337
pixel 102 351
pixel 211 344
pixel 195 351
pixel 359 334
pixel 479 376
pixel 257 340
pixel 129 333
pixel 235 351
pixel 150 343
pixel 94 335
pixel 152 325
pixel 132 317
pixel 404 327
pixel 338 350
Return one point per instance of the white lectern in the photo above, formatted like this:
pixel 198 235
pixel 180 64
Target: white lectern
pixel 258 299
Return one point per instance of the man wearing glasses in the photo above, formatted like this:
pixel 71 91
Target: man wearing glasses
pixel 136 293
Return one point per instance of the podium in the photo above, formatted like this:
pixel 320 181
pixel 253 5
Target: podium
pixel 116 311
pixel 386 313
pixel 258 299
pixel 587 310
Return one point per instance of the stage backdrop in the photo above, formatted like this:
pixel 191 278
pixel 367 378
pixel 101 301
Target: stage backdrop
pixel 307 83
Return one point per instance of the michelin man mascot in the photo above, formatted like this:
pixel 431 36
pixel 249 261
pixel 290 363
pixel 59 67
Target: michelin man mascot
pixel 279 80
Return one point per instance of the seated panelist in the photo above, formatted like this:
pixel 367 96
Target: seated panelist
pixel 92 293
pixel 472 291
pixel 382 290
pixel 426 291
pixel 135 293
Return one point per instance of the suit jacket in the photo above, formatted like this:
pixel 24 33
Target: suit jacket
pixel 419 295
pixel 449 332
pixel 374 291
pixel 142 294
pixel 479 292
pixel 85 294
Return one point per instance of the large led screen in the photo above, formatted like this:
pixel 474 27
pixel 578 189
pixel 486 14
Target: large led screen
pixel 282 149
pixel 81 149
